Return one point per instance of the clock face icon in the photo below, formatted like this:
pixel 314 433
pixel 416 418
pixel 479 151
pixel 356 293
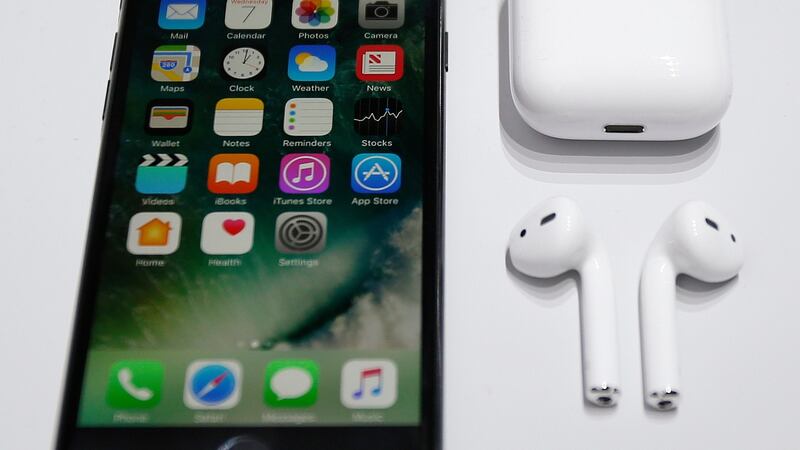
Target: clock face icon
pixel 244 63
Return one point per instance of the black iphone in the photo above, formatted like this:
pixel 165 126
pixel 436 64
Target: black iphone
pixel 263 267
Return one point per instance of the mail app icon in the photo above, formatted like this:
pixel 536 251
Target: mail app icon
pixel 182 14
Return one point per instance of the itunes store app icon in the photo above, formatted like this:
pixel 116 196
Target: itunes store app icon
pixel 305 173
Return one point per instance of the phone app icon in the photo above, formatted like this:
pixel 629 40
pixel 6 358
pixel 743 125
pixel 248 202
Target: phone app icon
pixel 377 173
pixel 239 117
pixel 315 14
pixel 135 384
pixel 378 14
pixel 162 173
pixel 369 384
pixel 233 173
pixel 182 14
pixel 175 63
pixel 312 63
pixel 305 173
pixel 213 385
pixel 227 233
pixel 291 383
pixel 378 116
pixel 154 233
pixel 169 117
pixel 380 62
pixel 301 232
pixel 248 14
pixel 308 117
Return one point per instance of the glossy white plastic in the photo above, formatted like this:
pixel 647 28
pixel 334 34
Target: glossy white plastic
pixel 579 66
pixel 554 239
pixel 696 241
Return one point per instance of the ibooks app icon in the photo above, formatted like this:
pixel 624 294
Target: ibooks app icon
pixel 235 173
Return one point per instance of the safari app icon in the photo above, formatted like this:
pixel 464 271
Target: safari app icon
pixel 291 384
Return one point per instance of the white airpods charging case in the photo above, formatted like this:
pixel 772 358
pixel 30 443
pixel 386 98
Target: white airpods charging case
pixel 641 70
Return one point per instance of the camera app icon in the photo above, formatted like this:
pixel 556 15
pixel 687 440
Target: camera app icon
pixel 381 14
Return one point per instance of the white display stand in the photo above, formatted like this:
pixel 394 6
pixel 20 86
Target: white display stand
pixel 513 378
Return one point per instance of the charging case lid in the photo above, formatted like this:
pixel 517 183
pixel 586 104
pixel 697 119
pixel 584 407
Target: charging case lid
pixel 660 67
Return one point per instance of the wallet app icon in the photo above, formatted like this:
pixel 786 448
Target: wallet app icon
pixel 182 14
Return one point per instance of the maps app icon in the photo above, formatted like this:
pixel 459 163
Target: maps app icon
pixel 175 63
pixel 376 173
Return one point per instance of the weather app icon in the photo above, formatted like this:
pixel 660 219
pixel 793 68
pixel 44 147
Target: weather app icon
pixel 376 173
pixel 312 63
pixel 213 385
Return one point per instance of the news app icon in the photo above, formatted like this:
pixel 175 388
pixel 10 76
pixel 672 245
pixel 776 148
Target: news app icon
pixel 369 384
pixel 380 62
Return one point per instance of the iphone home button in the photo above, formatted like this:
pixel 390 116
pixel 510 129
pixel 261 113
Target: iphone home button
pixel 243 443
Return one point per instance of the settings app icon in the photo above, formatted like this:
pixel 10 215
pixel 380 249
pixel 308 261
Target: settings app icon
pixel 301 232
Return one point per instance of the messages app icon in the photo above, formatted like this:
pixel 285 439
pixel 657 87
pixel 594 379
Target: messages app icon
pixel 312 62
pixel 291 384
pixel 182 14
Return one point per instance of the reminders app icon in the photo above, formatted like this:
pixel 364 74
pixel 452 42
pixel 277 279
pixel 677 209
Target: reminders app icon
pixel 312 63
pixel 182 14
pixel 308 117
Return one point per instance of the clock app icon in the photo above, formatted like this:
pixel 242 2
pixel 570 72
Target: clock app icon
pixel 244 63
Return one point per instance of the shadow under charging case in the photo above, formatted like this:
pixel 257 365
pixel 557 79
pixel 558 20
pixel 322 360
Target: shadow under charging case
pixel 643 70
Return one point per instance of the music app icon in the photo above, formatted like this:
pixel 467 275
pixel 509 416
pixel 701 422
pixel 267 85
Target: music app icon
pixel 369 384
pixel 305 173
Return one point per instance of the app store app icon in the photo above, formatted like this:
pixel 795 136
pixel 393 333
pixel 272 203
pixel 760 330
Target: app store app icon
pixel 377 173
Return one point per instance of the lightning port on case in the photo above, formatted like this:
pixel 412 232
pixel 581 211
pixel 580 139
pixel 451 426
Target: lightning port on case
pixel 624 129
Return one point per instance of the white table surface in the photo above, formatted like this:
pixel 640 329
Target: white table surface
pixel 512 350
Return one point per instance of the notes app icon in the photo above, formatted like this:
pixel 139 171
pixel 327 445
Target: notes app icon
pixel 308 117
pixel 239 117
pixel 369 384
pixel 233 174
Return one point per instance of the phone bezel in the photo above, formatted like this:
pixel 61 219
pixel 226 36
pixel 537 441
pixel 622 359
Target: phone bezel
pixel 427 436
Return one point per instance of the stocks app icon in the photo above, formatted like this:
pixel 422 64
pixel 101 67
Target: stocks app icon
pixel 301 232
pixel 378 116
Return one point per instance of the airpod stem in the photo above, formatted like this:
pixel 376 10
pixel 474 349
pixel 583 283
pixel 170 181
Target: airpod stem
pixel 599 331
pixel 657 312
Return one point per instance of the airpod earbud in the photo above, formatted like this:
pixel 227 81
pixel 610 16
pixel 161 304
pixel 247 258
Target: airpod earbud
pixel 554 239
pixel 696 241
